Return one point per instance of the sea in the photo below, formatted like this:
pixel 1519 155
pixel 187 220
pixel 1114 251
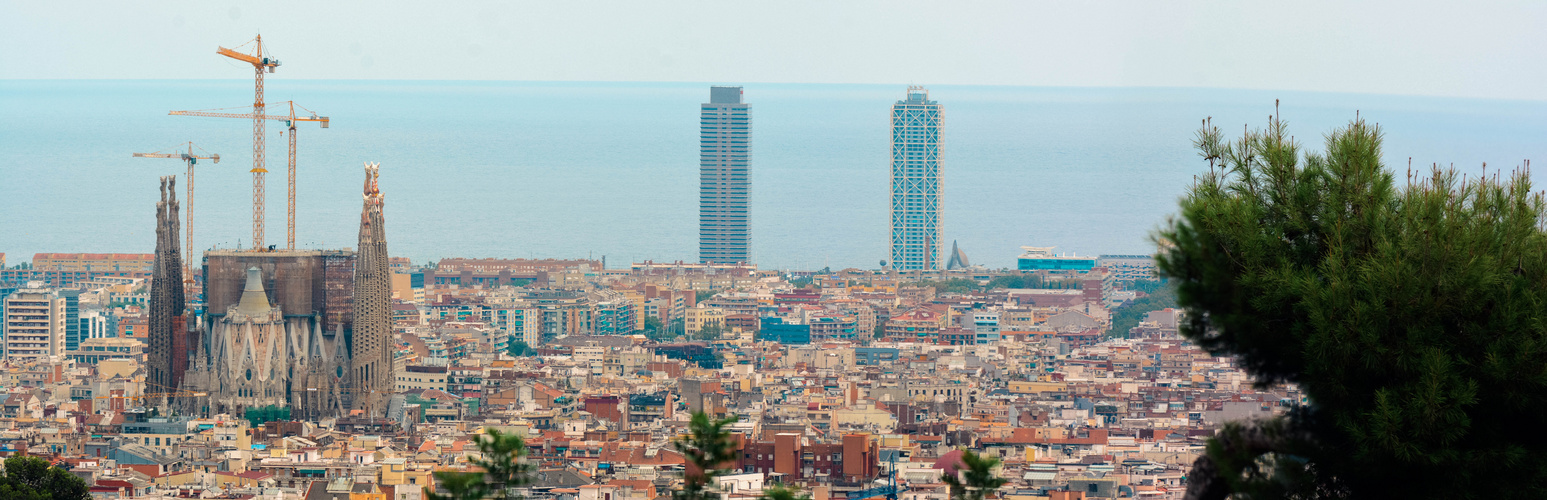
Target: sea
pixel 609 170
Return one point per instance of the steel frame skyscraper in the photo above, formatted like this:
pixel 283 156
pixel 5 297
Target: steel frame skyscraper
pixel 725 178
pixel 916 182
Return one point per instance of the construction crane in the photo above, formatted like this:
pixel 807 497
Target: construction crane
pixel 259 62
pixel 168 395
pixel 290 122
pixel 179 394
pixel 190 158
pixel 890 490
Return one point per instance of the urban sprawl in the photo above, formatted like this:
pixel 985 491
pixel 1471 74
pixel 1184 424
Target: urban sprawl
pixel 346 374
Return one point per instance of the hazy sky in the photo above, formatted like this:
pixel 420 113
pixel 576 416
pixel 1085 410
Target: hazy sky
pixel 1463 49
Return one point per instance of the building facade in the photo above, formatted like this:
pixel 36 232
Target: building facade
pixel 1043 259
pixel 34 325
pixel 915 242
pixel 725 178
pixel 94 262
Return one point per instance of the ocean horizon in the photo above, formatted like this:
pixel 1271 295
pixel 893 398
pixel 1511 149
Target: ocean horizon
pixel 591 169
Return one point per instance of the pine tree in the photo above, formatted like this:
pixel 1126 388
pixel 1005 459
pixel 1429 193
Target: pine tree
pixel 1414 318
pixel 33 478
pixel 504 472
pixel 707 448
pixel 976 479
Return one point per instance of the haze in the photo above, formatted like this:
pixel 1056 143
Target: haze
pixel 1453 49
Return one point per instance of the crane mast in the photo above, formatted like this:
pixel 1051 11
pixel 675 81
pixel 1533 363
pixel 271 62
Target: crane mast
pixel 259 63
pixel 290 122
pixel 258 160
pixel 191 158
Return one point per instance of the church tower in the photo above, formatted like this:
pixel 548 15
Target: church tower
pixel 371 345
pixel 165 360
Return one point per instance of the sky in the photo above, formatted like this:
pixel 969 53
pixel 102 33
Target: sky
pixel 1450 49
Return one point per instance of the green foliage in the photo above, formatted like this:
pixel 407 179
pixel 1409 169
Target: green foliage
pixel 955 285
pixel 1128 315
pixel 270 413
pixel 710 332
pixel 655 330
pixel 1029 281
pixel 520 349
pixel 880 332
pixel 677 328
pixel 504 471
pixel 33 478
pixel 976 479
pixel 707 448
pixel 703 295
pixel 1413 317
pixel 782 493
pixel 1146 286
pixel 802 282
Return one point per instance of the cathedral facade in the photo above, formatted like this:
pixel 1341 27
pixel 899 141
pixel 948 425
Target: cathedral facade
pixel 308 330
pixel 258 356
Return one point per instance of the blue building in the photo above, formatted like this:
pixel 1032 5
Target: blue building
pixel 875 355
pixel 776 330
pixel 915 242
pixel 1043 259
pixel 72 319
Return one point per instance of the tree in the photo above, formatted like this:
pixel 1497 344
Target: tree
pixel 677 328
pixel 520 349
pixel 706 448
pixel 880 332
pixel 703 295
pixel 656 331
pixel 710 332
pixel 777 492
pixel 1412 319
pixel 504 471
pixel 955 285
pixel 33 478
pixel 975 479
pixel 1128 315
pixel 1029 281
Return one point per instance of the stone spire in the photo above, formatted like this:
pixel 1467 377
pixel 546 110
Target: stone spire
pixel 165 362
pixel 372 343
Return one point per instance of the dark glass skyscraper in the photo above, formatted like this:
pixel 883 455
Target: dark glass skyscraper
pixel 725 177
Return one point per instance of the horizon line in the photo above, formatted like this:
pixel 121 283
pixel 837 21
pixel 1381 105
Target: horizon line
pixel 851 84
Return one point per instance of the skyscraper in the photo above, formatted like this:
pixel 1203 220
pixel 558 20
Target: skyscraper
pixel 371 345
pixel 916 182
pixel 725 177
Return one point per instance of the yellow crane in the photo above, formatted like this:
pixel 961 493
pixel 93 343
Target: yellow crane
pixel 190 158
pixel 178 394
pixel 260 62
pixel 290 122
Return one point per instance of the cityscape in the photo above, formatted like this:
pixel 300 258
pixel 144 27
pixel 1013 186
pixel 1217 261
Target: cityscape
pixel 194 362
